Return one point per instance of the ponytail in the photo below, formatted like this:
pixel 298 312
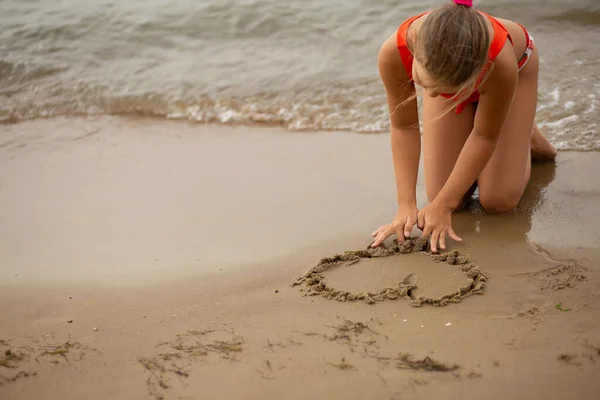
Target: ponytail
pixel 466 3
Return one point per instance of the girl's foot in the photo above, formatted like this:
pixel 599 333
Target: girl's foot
pixel 541 148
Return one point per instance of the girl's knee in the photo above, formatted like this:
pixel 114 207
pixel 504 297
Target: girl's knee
pixel 494 202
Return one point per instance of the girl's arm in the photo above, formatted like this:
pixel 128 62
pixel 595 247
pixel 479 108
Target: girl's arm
pixel 496 97
pixel 404 120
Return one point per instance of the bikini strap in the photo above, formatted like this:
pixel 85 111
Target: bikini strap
pixel 499 39
pixel 405 54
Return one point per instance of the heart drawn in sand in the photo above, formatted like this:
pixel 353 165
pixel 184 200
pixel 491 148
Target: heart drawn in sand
pixel 315 284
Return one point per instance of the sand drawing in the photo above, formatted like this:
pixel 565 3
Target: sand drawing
pixel 18 361
pixel 561 275
pixel 11 358
pixel 179 354
pixel 315 284
pixel 359 336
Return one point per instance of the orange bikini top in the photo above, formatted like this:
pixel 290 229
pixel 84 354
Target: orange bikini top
pixel 500 36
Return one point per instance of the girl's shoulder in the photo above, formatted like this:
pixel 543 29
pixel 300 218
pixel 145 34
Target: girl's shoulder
pixel 408 27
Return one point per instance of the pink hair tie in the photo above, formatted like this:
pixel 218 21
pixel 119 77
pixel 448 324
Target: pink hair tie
pixel 466 3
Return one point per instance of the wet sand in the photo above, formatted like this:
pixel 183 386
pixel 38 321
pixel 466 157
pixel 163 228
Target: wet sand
pixel 144 259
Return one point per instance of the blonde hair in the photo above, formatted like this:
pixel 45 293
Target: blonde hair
pixel 452 46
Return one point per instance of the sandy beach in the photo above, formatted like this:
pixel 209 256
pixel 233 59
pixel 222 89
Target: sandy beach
pixel 153 259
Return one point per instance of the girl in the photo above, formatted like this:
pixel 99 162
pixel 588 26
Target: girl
pixel 480 78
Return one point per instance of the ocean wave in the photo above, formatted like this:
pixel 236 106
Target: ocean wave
pixel 22 72
pixel 570 128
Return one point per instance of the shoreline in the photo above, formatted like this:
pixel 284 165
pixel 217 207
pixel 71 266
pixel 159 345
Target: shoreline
pixel 117 224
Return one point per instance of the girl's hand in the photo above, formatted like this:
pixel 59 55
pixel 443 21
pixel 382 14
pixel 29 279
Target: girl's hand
pixel 436 220
pixel 402 225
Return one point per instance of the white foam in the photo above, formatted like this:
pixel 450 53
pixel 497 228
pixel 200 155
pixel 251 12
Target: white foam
pixel 569 105
pixel 555 94
pixel 591 108
pixel 554 97
pixel 285 114
pixel 561 123
pixel 564 145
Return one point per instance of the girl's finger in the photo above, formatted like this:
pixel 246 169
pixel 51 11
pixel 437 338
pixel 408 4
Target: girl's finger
pixel 421 221
pixel 443 240
pixel 384 234
pixel 410 222
pixel 434 239
pixel 426 231
pixel 377 241
pixel 453 235
pixel 407 230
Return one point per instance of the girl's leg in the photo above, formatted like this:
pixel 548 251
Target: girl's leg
pixel 443 139
pixel 503 180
